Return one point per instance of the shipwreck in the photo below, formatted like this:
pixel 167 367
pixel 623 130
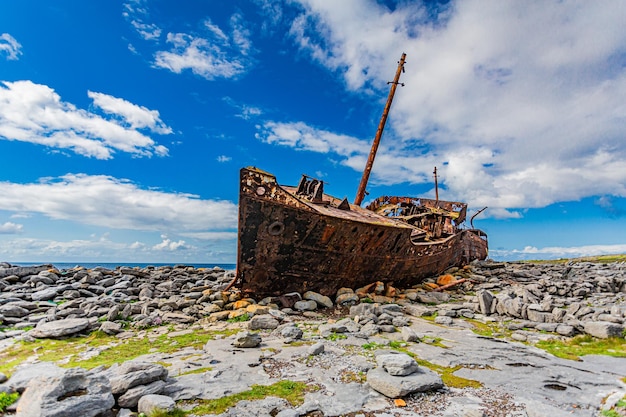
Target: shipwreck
pixel 298 238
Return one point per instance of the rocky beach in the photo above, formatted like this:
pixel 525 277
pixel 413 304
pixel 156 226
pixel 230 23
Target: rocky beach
pixel 489 339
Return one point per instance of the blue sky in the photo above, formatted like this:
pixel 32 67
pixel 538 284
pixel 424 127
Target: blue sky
pixel 123 124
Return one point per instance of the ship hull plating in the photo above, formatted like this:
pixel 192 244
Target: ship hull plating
pixel 287 243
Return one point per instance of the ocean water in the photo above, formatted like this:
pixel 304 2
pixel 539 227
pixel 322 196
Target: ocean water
pixel 90 265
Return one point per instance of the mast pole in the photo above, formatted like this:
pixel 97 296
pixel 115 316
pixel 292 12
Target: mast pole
pixel 381 126
pixel 436 187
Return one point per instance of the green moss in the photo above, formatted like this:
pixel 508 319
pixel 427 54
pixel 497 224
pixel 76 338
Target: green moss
pixel 583 345
pixel 291 391
pixel 7 399
pixel 176 412
pixel 196 371
pixel 336 336
pixel 115 351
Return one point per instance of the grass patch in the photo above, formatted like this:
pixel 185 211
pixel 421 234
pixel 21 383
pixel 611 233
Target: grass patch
pixel 336 336
pixel 196 371
pixel 176 412
pixel 583 345
pixel 619 410
pixel 291 391
pixel 446 373
pixel 7 399
pixel 491 329
pixel 116 351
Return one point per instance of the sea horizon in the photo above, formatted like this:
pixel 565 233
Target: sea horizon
pixel 112 265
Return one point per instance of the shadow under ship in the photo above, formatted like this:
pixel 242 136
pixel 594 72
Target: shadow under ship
pixel 298 239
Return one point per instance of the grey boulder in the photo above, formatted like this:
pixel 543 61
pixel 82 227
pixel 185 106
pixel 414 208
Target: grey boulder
pixel 423 380
pixel 74 393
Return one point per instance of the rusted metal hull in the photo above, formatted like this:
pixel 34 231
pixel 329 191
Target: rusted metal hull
pixel 289 243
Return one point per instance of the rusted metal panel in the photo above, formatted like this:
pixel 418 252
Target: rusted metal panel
pixel 296 239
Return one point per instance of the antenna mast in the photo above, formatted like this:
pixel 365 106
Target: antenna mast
pixel 381 126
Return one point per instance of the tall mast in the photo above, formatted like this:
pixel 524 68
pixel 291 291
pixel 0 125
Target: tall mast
pixel 436 186
pixel 381 126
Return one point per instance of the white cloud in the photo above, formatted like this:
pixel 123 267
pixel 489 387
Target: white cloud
pixel 224 158
pixel 113 203
pixel 218 55
pixel 198 55
pixel 556 252
pixel 10 228
pixel 170 246
pixel 300 136
pixel 136 116
pixel 35 113
pixel 148 31
pixel 519 105
pixel 135 12
pixel 10 46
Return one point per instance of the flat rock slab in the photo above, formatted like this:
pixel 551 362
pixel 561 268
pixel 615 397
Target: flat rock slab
pixel 423 380
pixel 59 328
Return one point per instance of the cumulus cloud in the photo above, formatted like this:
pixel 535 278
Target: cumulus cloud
pixel 10 228
pixel 224 158
pixel 136 116
pixel 10 46
pixel 519 105
pixel 215 54
pixel 170 246
pixel 301 136
pixel 35 113
pixel 113 203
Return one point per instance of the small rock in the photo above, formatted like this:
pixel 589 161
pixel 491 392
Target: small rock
pixel 409 335
pixel 316 349
pixel 397 364
pixel 321 300
pixel 247 339
pixel 150 403
pixel 264 321
pixel 423 380
pixel 305 305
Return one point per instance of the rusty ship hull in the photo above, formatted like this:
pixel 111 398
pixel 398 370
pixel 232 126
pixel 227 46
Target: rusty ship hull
pixel 297 239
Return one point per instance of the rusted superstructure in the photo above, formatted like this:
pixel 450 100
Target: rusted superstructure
pixel 301 239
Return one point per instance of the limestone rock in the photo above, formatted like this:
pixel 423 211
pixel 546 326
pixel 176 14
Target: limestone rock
pixel 409 335
pixel 74 393
pixel 247 340
pixel 321 300
pixel 152 402
pixel 316 349
pixel 603 329
pixel 264 321
pixel 130 398
pixel 423 380
pixel 59 328
pixel 397 364
pixel 45 294
pixel 305 305
pixel 133 373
